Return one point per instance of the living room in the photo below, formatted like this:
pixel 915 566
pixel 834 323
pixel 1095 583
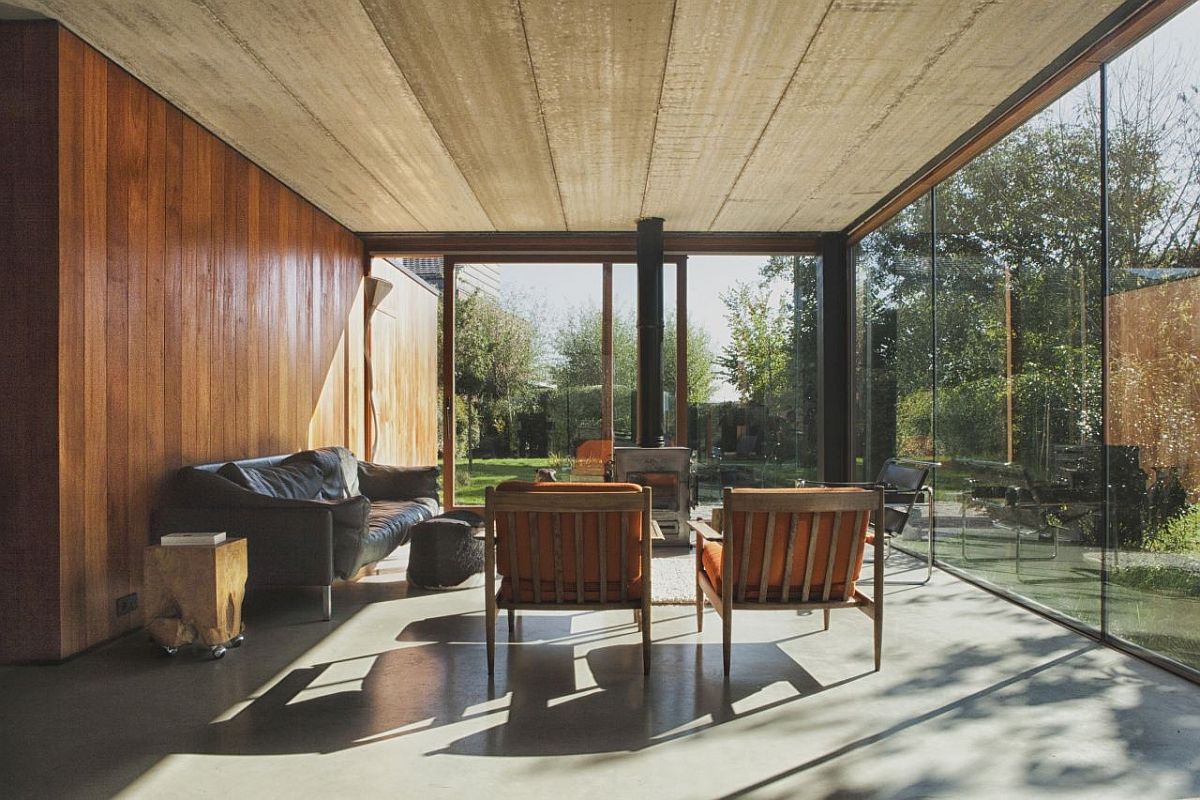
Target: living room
pixel 405 264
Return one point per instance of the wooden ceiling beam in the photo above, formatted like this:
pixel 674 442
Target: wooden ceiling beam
pixel 599 245
pixel 1120 31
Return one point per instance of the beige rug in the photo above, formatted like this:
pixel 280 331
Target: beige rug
pixel 673 580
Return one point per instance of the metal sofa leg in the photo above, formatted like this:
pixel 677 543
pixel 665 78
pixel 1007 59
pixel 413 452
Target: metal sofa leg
pixel 327 602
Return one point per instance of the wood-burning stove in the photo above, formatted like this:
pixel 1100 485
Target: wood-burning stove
pixel 667 471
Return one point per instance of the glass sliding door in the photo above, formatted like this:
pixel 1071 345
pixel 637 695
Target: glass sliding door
pixel 528 375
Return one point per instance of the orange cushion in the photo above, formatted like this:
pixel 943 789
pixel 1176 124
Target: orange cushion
pixel 521 539
pixel 712 557
pixel 591 591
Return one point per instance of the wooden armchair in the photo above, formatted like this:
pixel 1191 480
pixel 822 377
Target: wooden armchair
pixel 567 545
pixel 789 548
pixel 592 458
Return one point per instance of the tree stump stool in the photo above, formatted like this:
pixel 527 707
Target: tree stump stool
pixel 193 593
pixel 445 552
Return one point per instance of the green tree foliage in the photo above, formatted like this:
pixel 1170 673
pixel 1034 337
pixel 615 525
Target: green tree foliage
pixel 577 375
pixel 496 359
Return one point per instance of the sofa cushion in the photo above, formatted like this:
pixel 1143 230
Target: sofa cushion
pixel 389 525
pixel 291 481
pixel 385 482
pixel 339 470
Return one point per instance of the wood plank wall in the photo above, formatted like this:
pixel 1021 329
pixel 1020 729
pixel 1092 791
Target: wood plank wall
pixel 204 312
pixel 404 354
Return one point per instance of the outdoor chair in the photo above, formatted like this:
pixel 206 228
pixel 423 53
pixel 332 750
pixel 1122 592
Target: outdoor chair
pixel 904 483
pixel 558 546
pixel 1013 500
pixel 788 548
pixel 592 460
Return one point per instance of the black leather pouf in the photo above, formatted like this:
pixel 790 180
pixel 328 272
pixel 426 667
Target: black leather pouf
pixel 445 553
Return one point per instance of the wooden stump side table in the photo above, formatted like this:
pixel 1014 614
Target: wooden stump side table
pixel 193 593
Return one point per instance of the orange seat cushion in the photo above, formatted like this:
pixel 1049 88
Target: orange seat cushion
pixel 591 591
pixel 538 563
pixel 712 558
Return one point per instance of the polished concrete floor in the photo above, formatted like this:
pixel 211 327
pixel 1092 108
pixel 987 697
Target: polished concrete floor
pixel 977 698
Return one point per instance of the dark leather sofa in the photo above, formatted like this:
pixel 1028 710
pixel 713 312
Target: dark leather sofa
pixel 307 517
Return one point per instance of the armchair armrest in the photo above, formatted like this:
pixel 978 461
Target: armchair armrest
pixel 383 482
pixel 704 530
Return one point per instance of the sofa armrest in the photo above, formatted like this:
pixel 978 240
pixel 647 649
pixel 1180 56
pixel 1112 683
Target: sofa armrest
pixel 383 482
pixel 286 545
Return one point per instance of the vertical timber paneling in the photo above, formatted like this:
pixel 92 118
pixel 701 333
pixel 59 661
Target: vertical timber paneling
pixel 166 302
pixel 404 364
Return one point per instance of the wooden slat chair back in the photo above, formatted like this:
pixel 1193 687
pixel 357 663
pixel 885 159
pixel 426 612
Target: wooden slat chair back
pixel 567 545
pixel 789 548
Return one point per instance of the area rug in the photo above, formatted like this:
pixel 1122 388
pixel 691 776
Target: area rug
pixel 673 580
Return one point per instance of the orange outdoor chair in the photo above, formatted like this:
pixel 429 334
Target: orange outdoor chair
pixel 789 548
pixel 567 545
pixel 591 459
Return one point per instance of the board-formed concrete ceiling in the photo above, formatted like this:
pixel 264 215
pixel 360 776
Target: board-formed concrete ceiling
pixel 550 115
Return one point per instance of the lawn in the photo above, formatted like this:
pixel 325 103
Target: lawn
pixel 473 479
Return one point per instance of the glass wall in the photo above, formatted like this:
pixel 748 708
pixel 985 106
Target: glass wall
pixel 752 356
pixel 527 371
pixel 1153 401
pixel 1018 280
pixel 1052 366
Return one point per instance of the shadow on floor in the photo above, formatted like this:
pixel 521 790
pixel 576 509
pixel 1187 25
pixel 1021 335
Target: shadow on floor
pixel 538 710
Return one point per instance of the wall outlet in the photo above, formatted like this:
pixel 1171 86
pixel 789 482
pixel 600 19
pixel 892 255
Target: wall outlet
pixel 126 604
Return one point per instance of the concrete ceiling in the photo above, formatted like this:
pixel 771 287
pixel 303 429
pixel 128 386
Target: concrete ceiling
pixel 550 115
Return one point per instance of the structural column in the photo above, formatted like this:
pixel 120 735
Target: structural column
pixel 650 332
pixel 835 335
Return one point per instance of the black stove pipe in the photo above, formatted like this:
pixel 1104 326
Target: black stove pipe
pixel 650 332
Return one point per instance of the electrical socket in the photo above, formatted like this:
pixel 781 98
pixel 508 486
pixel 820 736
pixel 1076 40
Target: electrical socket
pixel 127 604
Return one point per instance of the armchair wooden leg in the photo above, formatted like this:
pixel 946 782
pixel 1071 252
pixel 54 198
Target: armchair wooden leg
pixel 645 619
pixel 726 638
pixel 512 622
pixel 699 591
pixel 491 634
pixel 637 618
pixel 826 618
pixel 878 620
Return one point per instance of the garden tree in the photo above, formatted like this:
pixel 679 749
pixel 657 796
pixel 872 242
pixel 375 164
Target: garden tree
pixel 577 372
pixel 496 358
pixel 771 357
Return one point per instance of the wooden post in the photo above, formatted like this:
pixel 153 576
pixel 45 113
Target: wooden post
pixel 681 353
pixel 606 356
pixel 448 439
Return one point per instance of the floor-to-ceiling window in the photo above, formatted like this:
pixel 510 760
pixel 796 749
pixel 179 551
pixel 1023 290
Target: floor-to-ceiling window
pixel 1062 392
pixel 894 389
pixel 1018 278
pixel 1153 305
pixel 752 368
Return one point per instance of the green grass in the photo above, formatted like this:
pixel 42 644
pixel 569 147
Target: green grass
pixel 487 472
pixel 1161 579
